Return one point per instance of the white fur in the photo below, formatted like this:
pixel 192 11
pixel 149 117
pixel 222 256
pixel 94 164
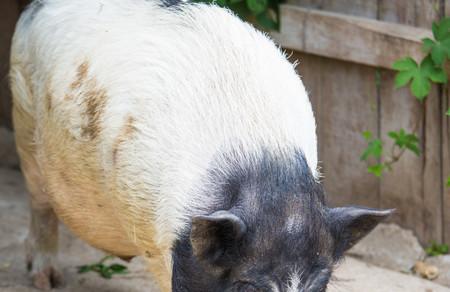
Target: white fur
pixel 198 81
pixel 294 282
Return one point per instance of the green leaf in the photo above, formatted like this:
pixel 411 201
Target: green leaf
pixel 104 270
pixel 437 249
pixel 376 169
pixel 438 53
pixel 435 73
pixel 441 29
pixel 266 21
pixel 448 182
pixel 405 140
pixel 420 86
pixel 393 135
pixel 419 74
pixel 257 6
pixel 448 112
pixel 106 273
pixel 84 269
pixel 414 148
pixel 439 49
pixel 438 75
pixel 241 9
pixel 374 148
pixel 427 44
pixel 118 268
pixel 221 3
pixel 435 30
pixel 368 135
pixel 405 64
pixel 402 78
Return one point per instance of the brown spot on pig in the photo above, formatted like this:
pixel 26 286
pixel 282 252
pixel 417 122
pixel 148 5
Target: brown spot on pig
pixel 48 98
pixel 125 133
pixel 95 100
pixel 48 94
pixel 82 72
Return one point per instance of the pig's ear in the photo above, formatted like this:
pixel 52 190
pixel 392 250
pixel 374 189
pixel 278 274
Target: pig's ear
pixel 215 237
pixel 350 224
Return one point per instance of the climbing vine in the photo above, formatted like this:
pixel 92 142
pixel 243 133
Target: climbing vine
pixel 419 77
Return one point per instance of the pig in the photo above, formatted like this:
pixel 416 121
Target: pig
pixel 176 132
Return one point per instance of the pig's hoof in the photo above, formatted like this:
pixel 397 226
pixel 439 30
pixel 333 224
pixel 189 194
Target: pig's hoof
pixel 47 279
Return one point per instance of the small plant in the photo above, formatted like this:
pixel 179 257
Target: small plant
pixel 264 14
pixel 402 141
pixel 106 271
pixel 437 249
pixel 419 77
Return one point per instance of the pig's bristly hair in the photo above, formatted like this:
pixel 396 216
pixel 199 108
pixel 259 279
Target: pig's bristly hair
pixel 266 176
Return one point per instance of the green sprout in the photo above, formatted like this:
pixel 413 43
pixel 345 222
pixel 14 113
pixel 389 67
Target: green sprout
pixel 106 271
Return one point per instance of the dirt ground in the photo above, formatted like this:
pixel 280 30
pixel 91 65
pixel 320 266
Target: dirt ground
pixel 352 275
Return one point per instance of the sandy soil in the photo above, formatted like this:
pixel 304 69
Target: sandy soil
pixel 352 276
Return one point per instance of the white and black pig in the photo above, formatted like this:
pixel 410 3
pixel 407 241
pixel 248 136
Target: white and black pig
pixel 176 132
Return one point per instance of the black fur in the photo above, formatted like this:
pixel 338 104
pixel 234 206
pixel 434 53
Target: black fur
pixel 264 190
pixel 171 3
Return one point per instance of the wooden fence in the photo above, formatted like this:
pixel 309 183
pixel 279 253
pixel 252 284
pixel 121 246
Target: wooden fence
pixel 345 49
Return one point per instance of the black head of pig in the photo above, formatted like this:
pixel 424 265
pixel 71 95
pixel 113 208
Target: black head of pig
pixel 271 232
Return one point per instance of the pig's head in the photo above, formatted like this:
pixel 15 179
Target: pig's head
pixel 276 234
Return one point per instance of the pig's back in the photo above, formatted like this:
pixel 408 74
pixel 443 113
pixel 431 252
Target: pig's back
pixel 133 101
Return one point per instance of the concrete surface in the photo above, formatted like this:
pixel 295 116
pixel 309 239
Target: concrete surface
pixel 352 276
pixel 391 247
pixel 443 264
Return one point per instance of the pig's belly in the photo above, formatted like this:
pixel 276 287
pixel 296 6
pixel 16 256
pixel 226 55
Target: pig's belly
pixel 89 215
pixel 74 185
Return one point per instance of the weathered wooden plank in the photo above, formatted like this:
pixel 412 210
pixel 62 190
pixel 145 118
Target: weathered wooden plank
pixel 399 11
pixel 432 151
pixel 402 187
pixel 353 110
pixel 348 38
pixel 347 111
pixel 420 13
pixel 361 8
pixel 446 154
pixel 9 12
pixel 342 113
pixel 427 11
pixel 413 187
pixel 447 7
pixel 446 167
pixel 344 101
pixel 432 142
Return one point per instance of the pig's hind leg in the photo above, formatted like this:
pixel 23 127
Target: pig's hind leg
pixel 42 247
pixel 42 241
